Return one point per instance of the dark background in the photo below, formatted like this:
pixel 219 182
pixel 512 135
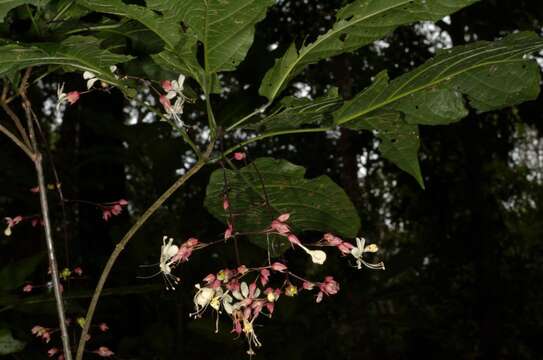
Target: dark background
pixel 464 266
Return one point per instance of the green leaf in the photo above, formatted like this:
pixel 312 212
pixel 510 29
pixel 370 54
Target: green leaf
pixel 316 204
pixel 80 53
pixel 8 344
pixel 225 27
pixel 492 75
pixel 293 113
pixel 358 24
pixel 13 275
pixel 167 26
pixel 7 5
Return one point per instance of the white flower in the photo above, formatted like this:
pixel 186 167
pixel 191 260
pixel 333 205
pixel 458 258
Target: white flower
pixel 90 77
pixel 167 252
pixel 317 256
pixel 358 252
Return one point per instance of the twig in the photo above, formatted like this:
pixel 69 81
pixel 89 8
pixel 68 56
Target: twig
pixel 126 238
pixel 17 142
pixel 46 221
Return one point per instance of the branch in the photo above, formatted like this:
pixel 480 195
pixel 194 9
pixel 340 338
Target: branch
pixel 126 238
pixel 17 142
pixel 46 222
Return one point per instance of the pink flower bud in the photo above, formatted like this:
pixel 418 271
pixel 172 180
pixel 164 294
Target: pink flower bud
pixel 116 209
pixel 35 189
pixel 264 276
pixel 72 97
pixel 103 327
pixel 51 352
pixel 78 271
pixel 225 203
pixel 280 227
pixel 283 217
pixel 228 232
pixel 122 202
pixel 210 278
pixel 308 285
pixel 166 85
pixel 277 266
pixel 103 351
pixel 345 247
pixel 165 102
pixel 332 240
pixel 28 288
pixel 270 306
pixel 293 239
pixel 106 214
pixel 242 269
pixel 239 156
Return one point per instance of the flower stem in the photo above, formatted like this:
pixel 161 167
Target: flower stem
pixel 126 238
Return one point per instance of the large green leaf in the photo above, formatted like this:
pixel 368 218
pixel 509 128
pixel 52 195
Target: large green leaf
pixel 167 25
pixel 492 75
pixel 358 24
pixel 81 53
pixel 8 344
pixel 225 28
pixel 314 204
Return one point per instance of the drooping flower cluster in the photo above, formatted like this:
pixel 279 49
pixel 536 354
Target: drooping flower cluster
pixel 35 220
pixel 230 292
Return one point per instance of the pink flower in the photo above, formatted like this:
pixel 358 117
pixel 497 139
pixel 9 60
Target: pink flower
pixel 72 97
pixel 78 271
pixel 308 285
pixel 239 156
pixel 242 269
pixel 51 352
pixel 103 327
pixel 166 85
pixel 277 266
pixel 103 352
pixel 37 221
pixel 28 288
pixel 264 276
pixel 35 189
pixel 228 232
pixel 122 202
pixel 165 102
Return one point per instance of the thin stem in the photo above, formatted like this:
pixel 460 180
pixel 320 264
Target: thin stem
pixel 126 238
pixel 34 24
pixel 260 110
pixel 210 117
pixel 17 123
pixel 271 134
pixel 47 224
pixel 62 11
pixel 92 28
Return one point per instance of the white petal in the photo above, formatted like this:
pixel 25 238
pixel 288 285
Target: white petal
pixel 91 82
pixel 88 75
pixel 180 81
pixel 228 307
pixel 237 295
pixel 172 250
pixel 244 289
pixel 318 256
pixel 171 94
pixel 113 68
pixel 257 292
